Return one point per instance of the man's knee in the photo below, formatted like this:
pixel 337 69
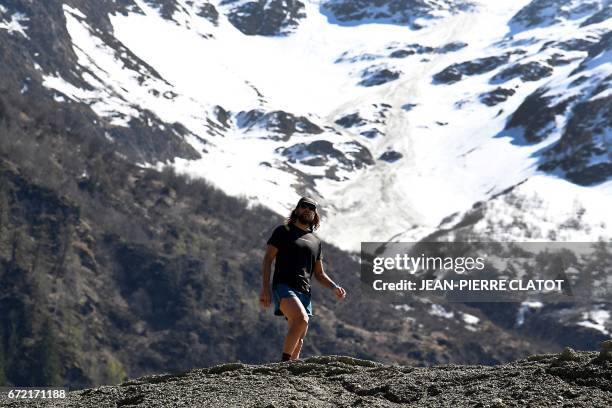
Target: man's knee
pixel 303 321
pixel 300 321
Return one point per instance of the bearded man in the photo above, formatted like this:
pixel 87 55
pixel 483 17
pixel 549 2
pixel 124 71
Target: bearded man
pixel 298 255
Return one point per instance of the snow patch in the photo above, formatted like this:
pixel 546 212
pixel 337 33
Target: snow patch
pixel 470 319
pixel 404 307
pixel 15 24
pixel 596 319
pixel 440 311
pixel 546 208
pixel 525 308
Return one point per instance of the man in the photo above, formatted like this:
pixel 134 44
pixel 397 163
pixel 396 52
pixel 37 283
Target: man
pixel 298 255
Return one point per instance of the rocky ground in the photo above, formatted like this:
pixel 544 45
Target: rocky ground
pixel 567 379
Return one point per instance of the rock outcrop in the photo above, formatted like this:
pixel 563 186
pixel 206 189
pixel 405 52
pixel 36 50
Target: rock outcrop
pixel 571 378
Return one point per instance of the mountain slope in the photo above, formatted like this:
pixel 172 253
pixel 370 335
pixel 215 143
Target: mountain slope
pixel 181 72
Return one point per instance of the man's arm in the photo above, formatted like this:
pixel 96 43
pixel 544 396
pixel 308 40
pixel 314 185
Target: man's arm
pixel 266 268
pixel 322 277
pixel 326 281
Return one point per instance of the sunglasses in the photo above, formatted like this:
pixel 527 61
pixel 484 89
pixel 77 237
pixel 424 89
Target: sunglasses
pixel 309 206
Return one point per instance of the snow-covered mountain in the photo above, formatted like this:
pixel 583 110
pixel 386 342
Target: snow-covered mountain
pixel 400 116
pixel 409 120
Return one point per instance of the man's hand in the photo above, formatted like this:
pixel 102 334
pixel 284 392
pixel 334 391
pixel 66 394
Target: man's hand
pixel 340 293
pixel 265 298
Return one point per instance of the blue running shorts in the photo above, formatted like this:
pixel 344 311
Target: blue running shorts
pixel 280 290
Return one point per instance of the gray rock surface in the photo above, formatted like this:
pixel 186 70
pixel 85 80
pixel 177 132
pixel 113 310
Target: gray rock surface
pixel 545 13
pixel 374 76
pixel 547 380
pixel 455 72
pixel 401 12
pixel 267 18
pixel 496 96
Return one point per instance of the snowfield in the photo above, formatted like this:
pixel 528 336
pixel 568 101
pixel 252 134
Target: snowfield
pixel 453 149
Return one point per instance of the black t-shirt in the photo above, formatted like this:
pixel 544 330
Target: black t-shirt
pixel 298 251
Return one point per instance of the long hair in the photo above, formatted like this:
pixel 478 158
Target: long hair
pixel 313 225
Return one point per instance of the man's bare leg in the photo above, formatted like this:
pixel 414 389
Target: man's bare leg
pixel 298 346
pixel 297 318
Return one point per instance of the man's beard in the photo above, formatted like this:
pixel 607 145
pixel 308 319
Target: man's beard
pixel 306 218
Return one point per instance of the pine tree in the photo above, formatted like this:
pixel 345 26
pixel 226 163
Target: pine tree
pixel 12 343
pixel 49 372
pixel 2 364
